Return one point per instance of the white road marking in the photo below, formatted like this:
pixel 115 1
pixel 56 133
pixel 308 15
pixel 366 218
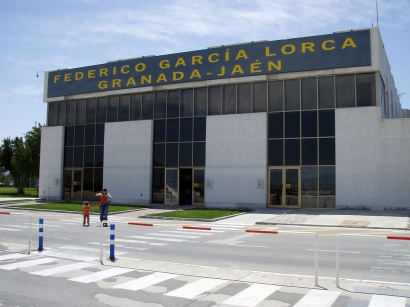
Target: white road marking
pixel 144 282
pixel 387 301
pixel 101 275
pixel 253 295
pixel 26 264
pixel 9 229
pixel 63 269
pixel 70 256
pixel 160 239
pixel 195 288
pixel 12 256
pixel 318 298
pixel 332 251
pixel 173 235
pixel 191 231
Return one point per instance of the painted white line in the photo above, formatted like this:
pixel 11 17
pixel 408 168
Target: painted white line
pixel 101 275
pixel 12 256
pixel 195 288
pixel 242 245
pixel 318 298
pixel 173 235
pixel 387 301
pixel 332 251
pixel 144 282
pixel 140 242
pixel 9 229
pixel 70 256
pixel 18 226
pixel 26 264
pixel 63 269
pixel 160 239
pixel 203 233
pixel 225 226
pixel 253 295
pixel 85 249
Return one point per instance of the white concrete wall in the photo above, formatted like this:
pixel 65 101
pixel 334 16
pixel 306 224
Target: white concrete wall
pixel 236 158
pixel 128 161
pixel 51 163
pixel 372 161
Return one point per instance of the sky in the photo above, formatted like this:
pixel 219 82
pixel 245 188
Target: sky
pixel 44 35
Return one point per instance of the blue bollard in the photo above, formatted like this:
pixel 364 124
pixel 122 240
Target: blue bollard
pixel 40 236
pixel 112 239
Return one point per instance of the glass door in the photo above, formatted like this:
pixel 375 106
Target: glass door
pixel 171 186
pixel 199 187
pixel 284 187
pixel 73 184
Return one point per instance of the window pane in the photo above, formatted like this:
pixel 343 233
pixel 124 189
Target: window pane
pixel 327 186
pixel 135 107
pixel 147 105
pixel 199 154
pixel 275 125
pixel 99 156
pixel 91 110
pixel 159 154
pixel 309 187
pixel 292 152
pixel 173 104
pixel 99 134
pixel 172 154
pixel 275 153
pixel 229 99
pixel 326 92
pixel 98 179
pixel 172 130
pixel 187 101
pixel 68 156
pixel 260 97
pixel 292 124
pixel 244 98
pixel 326 122
pixel 200 129
pixel 292 94
pixel 112 111
pixel 275 96
pixel 80 112
pixel 185 154
pixel 159 131
pixel 309 93
pixel 160 104
pixel 309 151
pixel 124 108
pixel 365 90
pixel 215 100
pixel 309 124
pixel 78 156
pixel 185 131
pixel 52 114
pixel 345 91
pixel 102 110
pixel 158 185
pixel 88 156
pixel 60 113
pixel 79 135
pixel 88 175
pixel 89 134
pixel 200 101
pixel 69 136
pixel 70 114
pixel 327 151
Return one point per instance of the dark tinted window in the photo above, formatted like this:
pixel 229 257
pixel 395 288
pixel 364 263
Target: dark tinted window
pixel 173 104
pixel 68 156
pixel 159 154
pixel 199 128
pixel 276 96
pixel 244 98
pixel 200 101
pixel 80 112
pixel 365 90
pixel 70 112
pixel 185 154
pixel 275 125
pixel 326 92
pixel 88 156
pixel 135 107
pixel 172 130
pixel 345 91
pixel 147 105
pixel 102 110
pixel 187 102
pixel 69 136
pixel 309 93
pixel 199 154
pixel 185 132
pixel 160 104
pixel 292 152
pixel 91 110
pixel 309 151
pixel 292 95
pixel 159 131
pixel 326 122
pixel 99 134
pixel 327 151
pixel 99 156
pixel 112 112
pixel 78 156
pixel 79 135
pixel 124 108
pixel 172 154
pixel 309 124
pixel 260 97
pixel 229 99
pixel 292 124
pixel 275 150
pixel 215 100
pixel 89 134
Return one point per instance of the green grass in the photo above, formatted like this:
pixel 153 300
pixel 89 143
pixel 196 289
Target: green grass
pixel 199 213
pixel 77 207
pixel 12 192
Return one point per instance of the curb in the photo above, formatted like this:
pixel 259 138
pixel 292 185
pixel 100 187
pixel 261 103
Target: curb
pixel 316 225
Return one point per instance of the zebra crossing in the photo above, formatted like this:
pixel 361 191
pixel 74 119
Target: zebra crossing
pixel 196 288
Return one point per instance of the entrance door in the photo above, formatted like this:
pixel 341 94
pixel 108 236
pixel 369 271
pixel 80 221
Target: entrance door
pixel 171 186
pixel 199 187
pixel 73 184
pixel 185 186
pixel 284 187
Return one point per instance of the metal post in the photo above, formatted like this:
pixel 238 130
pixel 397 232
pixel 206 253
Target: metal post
pixel 337 260
pixel 101 244
pixel 112 240
pixel 40 236
pixel 29 235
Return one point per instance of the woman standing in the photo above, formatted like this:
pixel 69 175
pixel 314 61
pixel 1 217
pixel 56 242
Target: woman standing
pixel 105 199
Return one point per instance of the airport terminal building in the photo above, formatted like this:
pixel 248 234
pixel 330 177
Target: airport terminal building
pixel 311 122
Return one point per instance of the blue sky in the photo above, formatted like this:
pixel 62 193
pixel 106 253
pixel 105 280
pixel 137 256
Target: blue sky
pixel 44 35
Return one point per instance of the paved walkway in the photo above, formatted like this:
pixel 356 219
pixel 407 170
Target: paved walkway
pixel 385 219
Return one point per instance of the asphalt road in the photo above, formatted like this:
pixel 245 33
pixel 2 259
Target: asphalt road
pixel 167 265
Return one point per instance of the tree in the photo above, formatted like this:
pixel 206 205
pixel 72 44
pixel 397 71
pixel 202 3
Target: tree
pixel 21 157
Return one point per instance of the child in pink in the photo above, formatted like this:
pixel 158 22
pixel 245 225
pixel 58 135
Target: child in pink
pixel 86 213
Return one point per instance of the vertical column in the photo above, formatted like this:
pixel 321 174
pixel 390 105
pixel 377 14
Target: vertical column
pixel 112 241
pixel 40 235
